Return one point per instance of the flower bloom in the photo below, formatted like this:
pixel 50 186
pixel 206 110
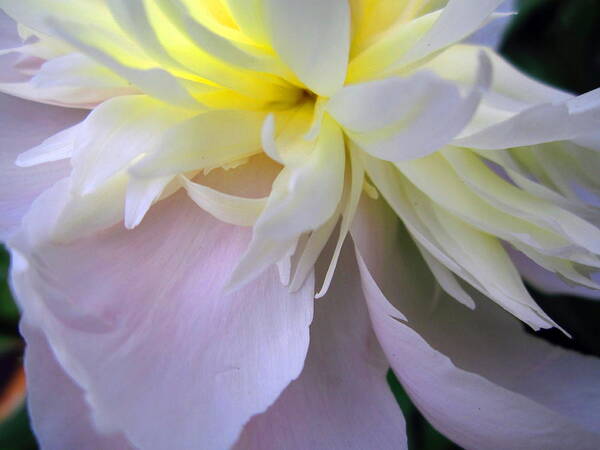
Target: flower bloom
pixel 168 246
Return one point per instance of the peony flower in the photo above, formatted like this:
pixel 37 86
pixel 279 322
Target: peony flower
pixel 168 245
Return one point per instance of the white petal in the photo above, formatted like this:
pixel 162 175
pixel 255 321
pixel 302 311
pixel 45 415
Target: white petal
pixel 117 133
pixel 458 20
pixel 539 124
pixel 353 193
pixel 227 208
pixel 141 194
pixel 205 141
pixel 476 257
pixel 313 38
pixel 139 319
pixel 304 197
pixel 77 81
pixel 398 119
pixel 154 81
pixel 55 148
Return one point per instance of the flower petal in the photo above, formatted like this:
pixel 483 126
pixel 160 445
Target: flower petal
pixel 476 375
pixel 140 321
pixel 547 281
pixel 26 124
pixel 60 417
pixel 397 119
pixel 511 88
pixel 549 122
pixel 96 43
pixel 475 256
pixel 205 141
pixel 298 31
pixel 116 133
pixel 458 20
pixel 491 35
pixel 314 183
pixel 341 400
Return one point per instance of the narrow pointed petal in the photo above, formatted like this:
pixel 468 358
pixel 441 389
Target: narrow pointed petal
pixel 25 125
pixel 341 400
pixel 476 375
pixel 314 184
pixel 547 281
pixel 140 343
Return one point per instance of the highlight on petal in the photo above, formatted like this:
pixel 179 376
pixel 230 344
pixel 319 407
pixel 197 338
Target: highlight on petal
pixel 398 119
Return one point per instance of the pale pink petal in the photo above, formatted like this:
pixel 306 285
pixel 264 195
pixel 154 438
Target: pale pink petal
pixel 476 375
pixel 140 320
pixel 548 282
pixel 24 125
pixel 341 400
pixel 59 414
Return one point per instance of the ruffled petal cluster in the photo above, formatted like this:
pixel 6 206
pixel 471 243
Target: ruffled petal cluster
pixel 189 188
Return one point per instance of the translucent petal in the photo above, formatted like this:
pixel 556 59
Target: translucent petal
pixel 298 31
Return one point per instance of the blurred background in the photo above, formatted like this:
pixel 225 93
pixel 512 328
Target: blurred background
pixel 557 41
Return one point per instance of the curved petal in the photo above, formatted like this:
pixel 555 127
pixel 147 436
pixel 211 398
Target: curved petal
pixel 70 424
pixel 547 281
pixel 26 124
pixel 458 20
pixel 140 320
pixel 491 35
pixel 341 400
pixel 205 141
pixel 547 122
pixel 398 119
pixel 476 375
pixel 312 183
pixel 298 31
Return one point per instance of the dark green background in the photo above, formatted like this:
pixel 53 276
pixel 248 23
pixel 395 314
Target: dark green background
pixel 557 41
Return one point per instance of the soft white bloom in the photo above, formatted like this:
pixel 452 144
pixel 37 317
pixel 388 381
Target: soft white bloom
pixel 168 245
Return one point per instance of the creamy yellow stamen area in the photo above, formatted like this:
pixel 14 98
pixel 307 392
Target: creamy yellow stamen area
pixel 345 97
